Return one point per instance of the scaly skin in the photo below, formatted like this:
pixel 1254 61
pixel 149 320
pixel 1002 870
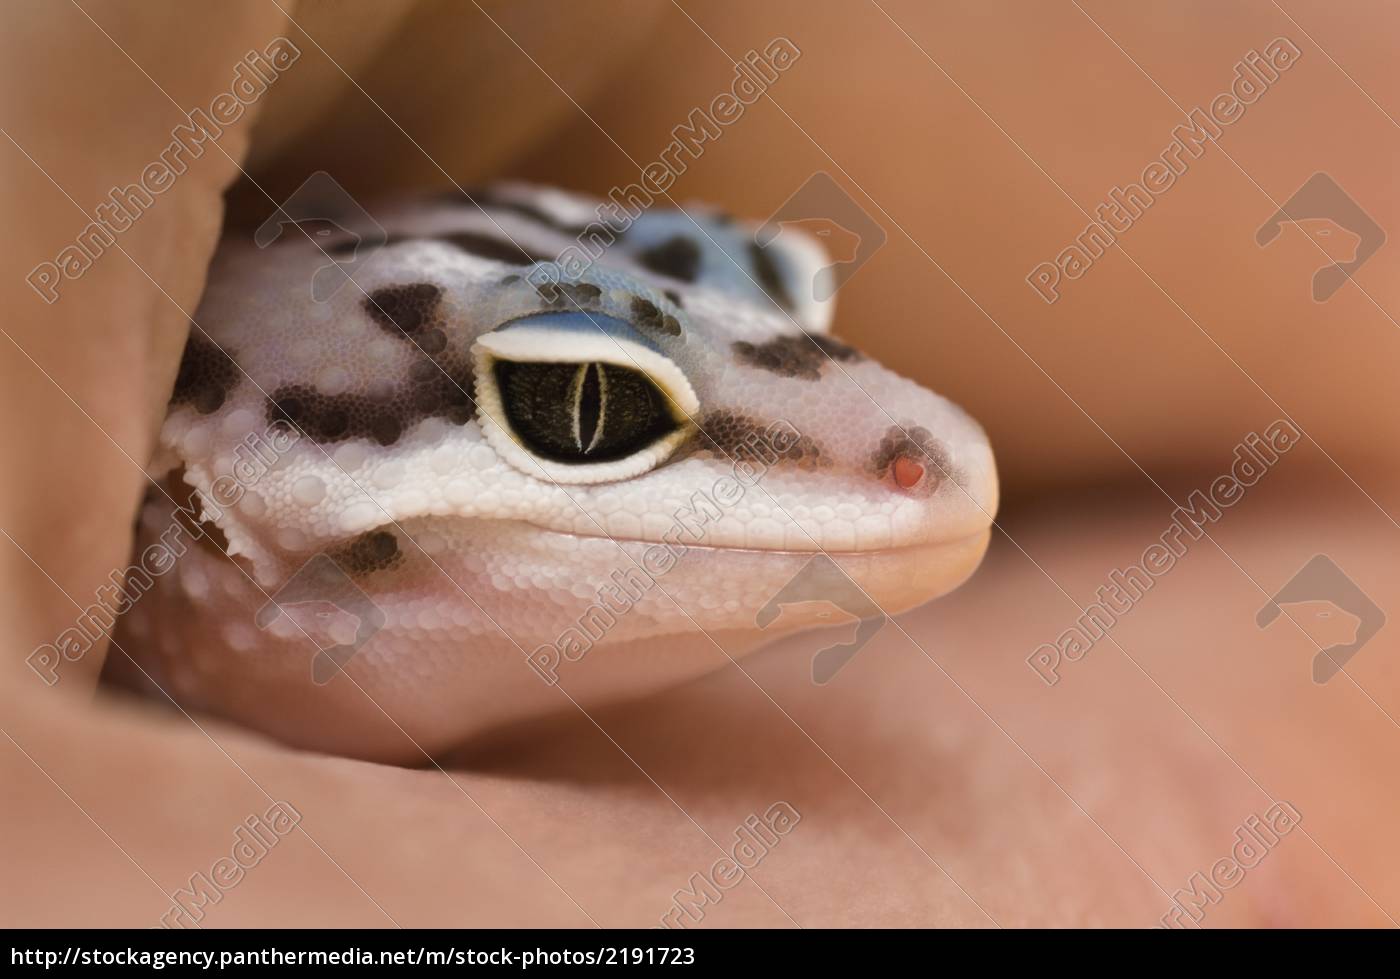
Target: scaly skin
pixel 392 486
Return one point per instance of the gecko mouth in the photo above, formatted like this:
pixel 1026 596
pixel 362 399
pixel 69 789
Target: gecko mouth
pixel 894 578
pixel 681 545
pixel 699 535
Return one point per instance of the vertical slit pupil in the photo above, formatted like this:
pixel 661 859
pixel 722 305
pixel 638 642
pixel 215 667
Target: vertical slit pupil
pixel 590 405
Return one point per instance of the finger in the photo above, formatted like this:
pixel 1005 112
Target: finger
pixel 112 196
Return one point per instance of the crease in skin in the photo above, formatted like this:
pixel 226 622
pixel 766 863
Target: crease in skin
pixel 440 399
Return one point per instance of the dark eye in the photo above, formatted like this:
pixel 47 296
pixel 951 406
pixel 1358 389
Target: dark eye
pixel 582 413
pixel 580 398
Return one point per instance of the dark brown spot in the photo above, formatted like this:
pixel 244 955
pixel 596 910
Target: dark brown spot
pixel 675 298
pixel 376 550
pixel 432 342
pixel 488 247
pixel 403 309
pixel 769 277
pixel 435 391
pixel 385 428
pixel 677 257
pixel 491 247
pixel 648 317
pixel 569 295
pixel 205 378
pixel 801 356
pixel 485 198
pixel 743 438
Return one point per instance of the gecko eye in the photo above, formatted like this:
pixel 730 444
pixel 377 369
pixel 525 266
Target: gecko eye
pixel 580 397
pixel 582 413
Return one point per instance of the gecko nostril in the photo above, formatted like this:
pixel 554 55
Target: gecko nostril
pixel 911 458
pixel 906 471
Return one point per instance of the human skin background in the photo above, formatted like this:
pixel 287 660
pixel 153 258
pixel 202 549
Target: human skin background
pixel 939 780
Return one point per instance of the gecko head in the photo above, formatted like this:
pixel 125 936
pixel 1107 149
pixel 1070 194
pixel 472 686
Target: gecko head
pixel 546 487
